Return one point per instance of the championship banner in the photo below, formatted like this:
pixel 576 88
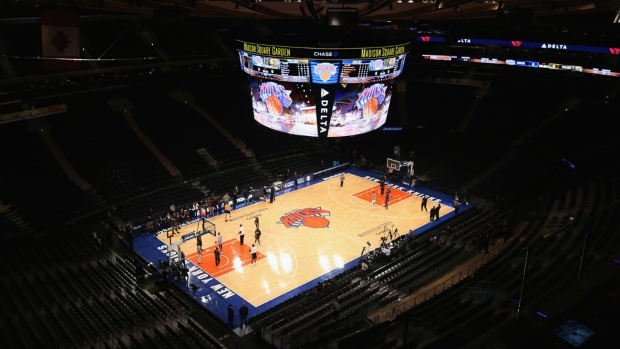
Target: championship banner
pixel 324 77
pixel 60 36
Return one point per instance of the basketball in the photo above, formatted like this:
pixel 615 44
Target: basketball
pixel 370 108
pixel 325 75
pixel 274 106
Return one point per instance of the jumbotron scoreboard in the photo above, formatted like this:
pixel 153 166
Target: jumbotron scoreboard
pixel 320 92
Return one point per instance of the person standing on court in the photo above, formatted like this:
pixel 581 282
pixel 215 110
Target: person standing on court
pixel 217 257
pixel 253 252
pixel 256 222
pixel 241 234
pixel 387 198
pixel 342 180
pixel 374 198
pixel 423 206
pixel 437 212
pixel 199 248
pixel 432 212
pixel 199 243
pixel 231 315
pixel 257 235
pixel 227 211
pixel 219 240
pixel 382 185
pixel 272 194
pixel 243 315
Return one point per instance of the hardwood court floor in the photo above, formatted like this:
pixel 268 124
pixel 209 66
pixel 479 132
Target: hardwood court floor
pixel 305 234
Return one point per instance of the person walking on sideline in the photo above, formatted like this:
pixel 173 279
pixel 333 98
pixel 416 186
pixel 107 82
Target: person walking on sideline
pixel 243 315
pixel 231 315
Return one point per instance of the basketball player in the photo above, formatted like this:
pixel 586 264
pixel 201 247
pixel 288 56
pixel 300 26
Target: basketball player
pixel 257 235
pixel 227 211
pixel 217 257
pixel 342 180
pixel 374 198
pixel 256 222
pixel 199 248
pixel 241 234
pixel 253 252
pixel 219 240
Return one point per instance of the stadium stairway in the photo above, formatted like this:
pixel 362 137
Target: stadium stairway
pixel 163 159
pixel 237 143
pixel 507 157
pixel 61 158
pixel 14 217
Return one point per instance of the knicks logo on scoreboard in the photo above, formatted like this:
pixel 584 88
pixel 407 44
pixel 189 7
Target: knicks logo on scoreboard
pixel 307 217
pixel 370 98
pixel 276 97
pixel 325 71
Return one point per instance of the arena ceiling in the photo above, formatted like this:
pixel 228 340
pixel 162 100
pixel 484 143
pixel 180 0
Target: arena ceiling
pixel 368 10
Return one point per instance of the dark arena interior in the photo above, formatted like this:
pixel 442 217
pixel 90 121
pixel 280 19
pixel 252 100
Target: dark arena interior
pixel 129 129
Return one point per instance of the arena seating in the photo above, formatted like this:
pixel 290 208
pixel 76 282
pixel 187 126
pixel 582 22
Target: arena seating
pixel 103 148
pixel 33 183
pixel 94 302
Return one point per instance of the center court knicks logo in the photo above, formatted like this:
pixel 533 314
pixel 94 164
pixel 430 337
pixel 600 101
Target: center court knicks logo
pixel 307 217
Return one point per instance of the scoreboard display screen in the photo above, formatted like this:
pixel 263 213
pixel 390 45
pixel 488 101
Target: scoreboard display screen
pixel 363 71
pixel 318 92
pixel 295 70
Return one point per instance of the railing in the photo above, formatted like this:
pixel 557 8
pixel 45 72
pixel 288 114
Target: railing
pixel 287 341
pixel 391 314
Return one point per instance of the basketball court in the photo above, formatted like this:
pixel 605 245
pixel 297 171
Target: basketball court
pixel 308 234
